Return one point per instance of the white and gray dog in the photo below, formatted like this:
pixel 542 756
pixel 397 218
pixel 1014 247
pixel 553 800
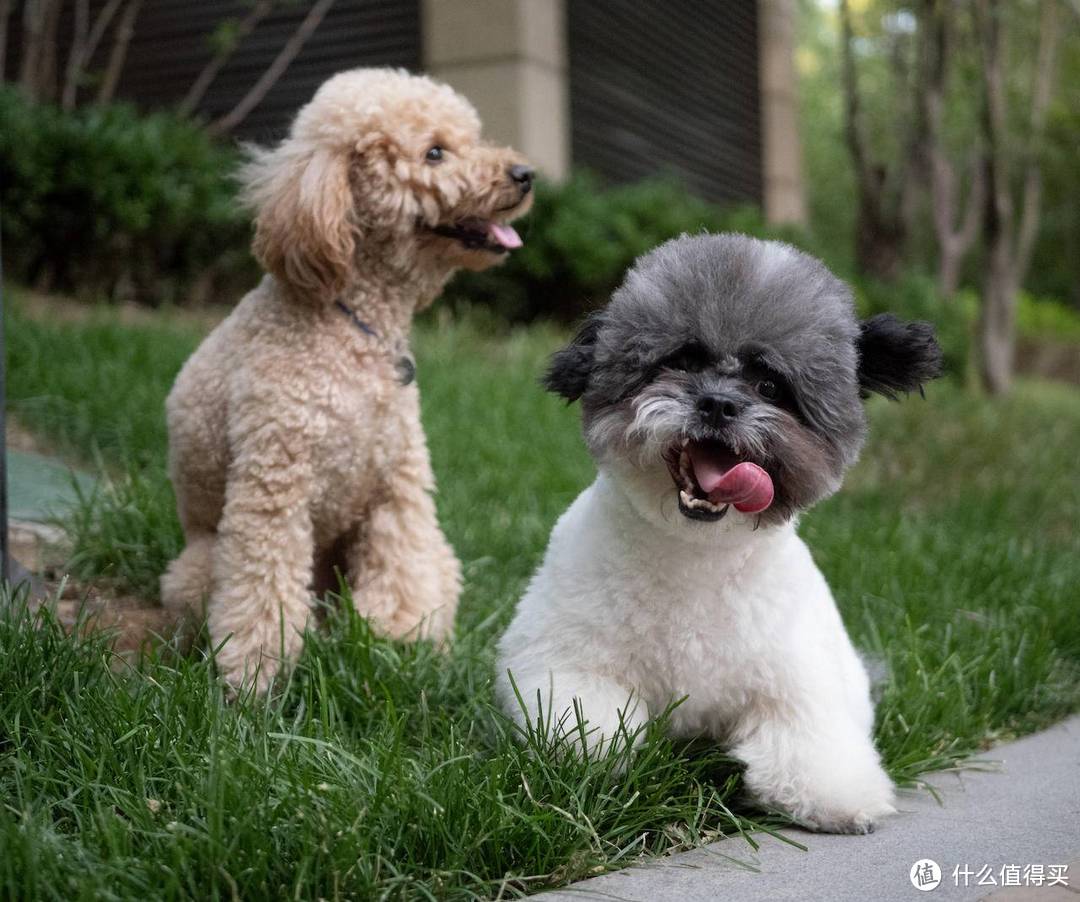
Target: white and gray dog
pixel 721 395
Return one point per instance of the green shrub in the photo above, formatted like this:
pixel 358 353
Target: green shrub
pixel 1046 318
pixel 581 237
pixel 108 201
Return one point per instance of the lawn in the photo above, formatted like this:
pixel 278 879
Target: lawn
pixel 383 770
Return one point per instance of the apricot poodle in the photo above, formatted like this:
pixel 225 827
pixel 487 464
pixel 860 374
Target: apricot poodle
pixel 295 445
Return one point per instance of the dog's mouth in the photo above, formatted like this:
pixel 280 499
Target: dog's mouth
pixel 481 234
pixel 710 477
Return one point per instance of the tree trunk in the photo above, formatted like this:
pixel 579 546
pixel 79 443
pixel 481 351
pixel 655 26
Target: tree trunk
pixel 881 224
pixel 950 265
pixel 997 320
pixel 1008 246
pixel 954 239
pixel 125 31
pixel 880 239
pixel 275 70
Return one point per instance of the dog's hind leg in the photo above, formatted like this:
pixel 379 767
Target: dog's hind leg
pixel 403 573
pixel 186 583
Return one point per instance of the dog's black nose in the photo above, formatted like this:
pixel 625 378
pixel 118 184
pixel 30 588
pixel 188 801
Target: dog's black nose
pixel 523 176
pixel 718 410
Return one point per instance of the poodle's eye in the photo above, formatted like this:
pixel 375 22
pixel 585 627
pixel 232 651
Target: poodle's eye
pixel 434 154
pixel 768 389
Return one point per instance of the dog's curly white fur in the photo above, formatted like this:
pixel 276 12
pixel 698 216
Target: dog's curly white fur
pixel 650 592
pixel 295 444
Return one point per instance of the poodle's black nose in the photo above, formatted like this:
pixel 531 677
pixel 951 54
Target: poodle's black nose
pixel 523 175
pixel 718 410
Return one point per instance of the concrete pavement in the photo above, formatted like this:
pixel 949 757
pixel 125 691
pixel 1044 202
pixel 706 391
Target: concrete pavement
pixel 1015 822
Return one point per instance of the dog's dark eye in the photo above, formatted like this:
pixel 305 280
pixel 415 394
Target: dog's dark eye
pixel 768 389
pixel 434 154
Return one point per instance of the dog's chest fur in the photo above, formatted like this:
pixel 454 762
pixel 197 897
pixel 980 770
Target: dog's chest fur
pixel 365 418
pixel 669 615
pixel 334 393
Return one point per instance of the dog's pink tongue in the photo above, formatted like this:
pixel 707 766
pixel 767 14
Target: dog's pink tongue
pixel 506 235
pixel 745 485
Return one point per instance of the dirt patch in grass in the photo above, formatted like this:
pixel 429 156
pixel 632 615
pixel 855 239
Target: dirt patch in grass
pixel 87 605
pixel 1048 359
pixel 18 438
pixel 60 308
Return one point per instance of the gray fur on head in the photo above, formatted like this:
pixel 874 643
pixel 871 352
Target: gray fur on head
pixel 708 314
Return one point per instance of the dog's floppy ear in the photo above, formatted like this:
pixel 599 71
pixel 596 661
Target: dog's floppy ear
pixel 304 233
pixel 895 356
pixel 569 370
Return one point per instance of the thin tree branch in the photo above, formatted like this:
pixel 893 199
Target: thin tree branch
pixel 50 48
pixel 125 31
pixel 75 54
pixel 32 27
pixel 210 71
pixel 1045 60
pixel 276 69
pixel 5 15
pixel 97 32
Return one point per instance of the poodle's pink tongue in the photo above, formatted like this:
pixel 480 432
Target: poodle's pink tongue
pixel 505 235
pixel 745 485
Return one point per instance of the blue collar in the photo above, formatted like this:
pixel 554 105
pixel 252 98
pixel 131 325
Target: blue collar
pixel 404 365
pixel 356 321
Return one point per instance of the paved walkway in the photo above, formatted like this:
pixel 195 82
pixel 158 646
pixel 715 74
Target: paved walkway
pixel 39 489
pixel 1024 811
pixel 39 486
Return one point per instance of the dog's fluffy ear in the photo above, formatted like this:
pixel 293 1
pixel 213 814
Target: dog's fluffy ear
pixel 895 356
pixel 569 370
pixel 304 230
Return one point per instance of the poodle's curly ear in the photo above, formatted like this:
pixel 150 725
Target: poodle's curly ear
pixel 895 356
pixel 304 229
pixel 569 370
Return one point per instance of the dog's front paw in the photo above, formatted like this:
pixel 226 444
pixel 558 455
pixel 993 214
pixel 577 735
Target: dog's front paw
pixel 858 822
pixel 242 674
pixel 835 788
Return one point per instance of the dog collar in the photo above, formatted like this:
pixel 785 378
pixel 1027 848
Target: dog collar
pixel 406 369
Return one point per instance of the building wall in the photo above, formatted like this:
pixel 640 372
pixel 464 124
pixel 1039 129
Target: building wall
pixel 703 89
pixel 509 58
pixel 668 85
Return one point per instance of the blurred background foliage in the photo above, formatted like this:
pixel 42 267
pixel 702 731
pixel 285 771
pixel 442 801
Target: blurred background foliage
pixel 102 201
pixel 105 201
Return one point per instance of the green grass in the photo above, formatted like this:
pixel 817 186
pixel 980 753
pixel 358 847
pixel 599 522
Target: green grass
pixel 384 770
